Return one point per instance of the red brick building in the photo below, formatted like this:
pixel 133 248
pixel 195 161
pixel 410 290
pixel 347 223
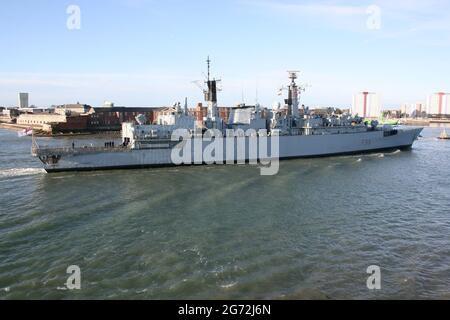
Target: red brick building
pixel 111 118
pixel 201 112
pixel 77 123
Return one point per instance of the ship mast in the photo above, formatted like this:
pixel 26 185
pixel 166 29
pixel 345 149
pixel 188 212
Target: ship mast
pixel 211 93
pixel 293 102
pixel 212 119
pixel 209 67
pixel 291 121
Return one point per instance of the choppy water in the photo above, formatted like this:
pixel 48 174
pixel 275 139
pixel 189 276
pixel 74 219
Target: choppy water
pixel 227 232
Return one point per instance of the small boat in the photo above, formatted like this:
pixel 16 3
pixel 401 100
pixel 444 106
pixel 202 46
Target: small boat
pixel 444 135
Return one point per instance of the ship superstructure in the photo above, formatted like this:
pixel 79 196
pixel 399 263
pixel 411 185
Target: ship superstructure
pixel 299 133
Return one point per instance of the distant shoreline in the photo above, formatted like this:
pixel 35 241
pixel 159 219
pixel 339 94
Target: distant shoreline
pixel 424 122
pixel 12 127
pixel 18 128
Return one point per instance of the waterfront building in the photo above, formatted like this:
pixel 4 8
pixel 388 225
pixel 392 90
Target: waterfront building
pixel 201 111
pixel 367 105
pixel 438 104
pixel 9 115
pixel 80 117
pixel 36 110
pixel 39 119
pixel 73 109
pixel 53 122
pixel 23 100
pixel 111 117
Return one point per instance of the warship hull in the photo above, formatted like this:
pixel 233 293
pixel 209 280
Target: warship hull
pixel 290 147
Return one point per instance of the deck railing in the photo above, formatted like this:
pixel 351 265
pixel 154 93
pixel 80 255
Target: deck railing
pixel 50 151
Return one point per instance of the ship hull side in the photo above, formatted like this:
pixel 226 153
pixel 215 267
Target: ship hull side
pixel 291 147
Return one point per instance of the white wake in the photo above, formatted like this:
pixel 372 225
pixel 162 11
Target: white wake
pixel 19 172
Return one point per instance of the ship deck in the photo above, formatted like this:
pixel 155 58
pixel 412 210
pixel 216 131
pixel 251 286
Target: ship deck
pixel 49 151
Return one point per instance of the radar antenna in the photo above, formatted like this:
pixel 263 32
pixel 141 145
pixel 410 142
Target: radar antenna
pixel 209 67
pixel 293 75
pixel 207 81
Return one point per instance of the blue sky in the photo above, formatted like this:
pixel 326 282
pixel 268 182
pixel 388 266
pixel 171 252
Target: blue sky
pixel 148 52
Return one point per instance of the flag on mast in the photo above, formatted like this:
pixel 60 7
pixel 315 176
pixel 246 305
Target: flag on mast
pixel 26 132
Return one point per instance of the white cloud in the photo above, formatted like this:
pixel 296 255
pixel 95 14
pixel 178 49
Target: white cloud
pixel 341 16
pixel 400 18
pixel 311 8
